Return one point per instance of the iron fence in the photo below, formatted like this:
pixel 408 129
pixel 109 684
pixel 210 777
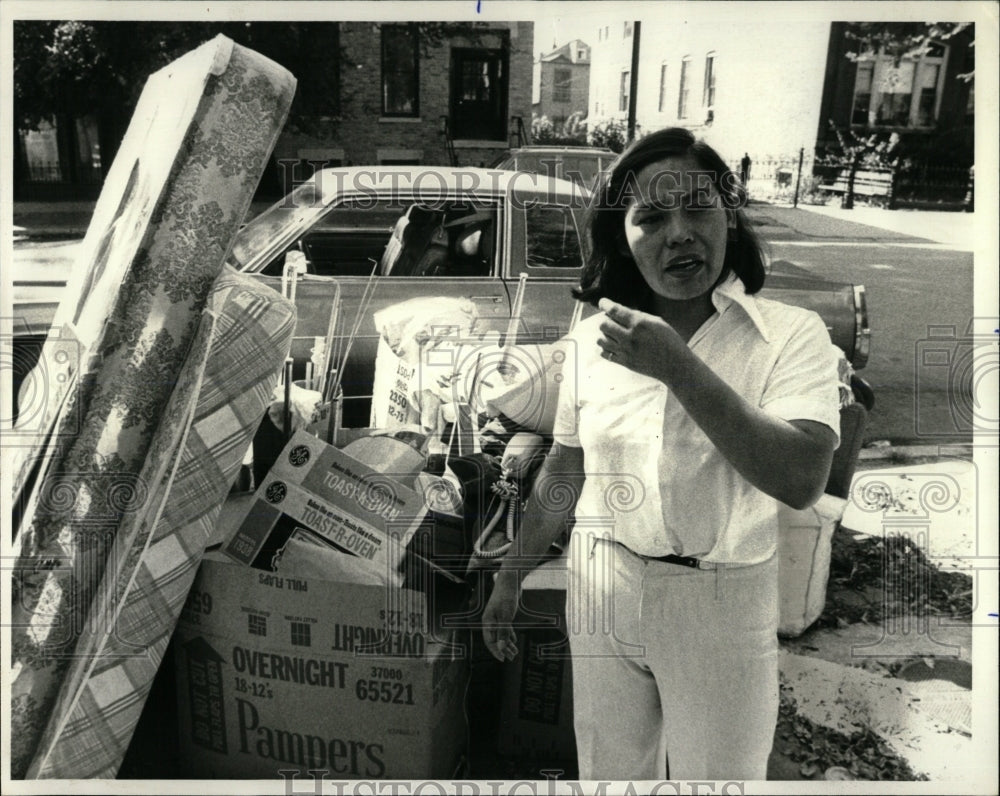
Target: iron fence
pixel 780 178
pixel 53 171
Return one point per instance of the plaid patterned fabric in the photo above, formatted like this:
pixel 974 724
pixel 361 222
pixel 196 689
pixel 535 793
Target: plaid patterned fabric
pixel 253 333
pixel 176 195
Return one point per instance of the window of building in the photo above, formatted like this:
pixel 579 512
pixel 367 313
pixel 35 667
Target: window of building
pixel 662 104
pixel 903 93
pixel 682 93
pixel 400 71
pixel 628 30
pixel 862 92
pixel 607 32
pixel 708 93
pixel 561 85
pixel 927 95
pixel 623 91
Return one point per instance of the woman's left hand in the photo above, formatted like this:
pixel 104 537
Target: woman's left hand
pixel 637 340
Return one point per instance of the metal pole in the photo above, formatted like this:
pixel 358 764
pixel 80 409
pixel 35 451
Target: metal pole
pixel 633 86
pixel 798 177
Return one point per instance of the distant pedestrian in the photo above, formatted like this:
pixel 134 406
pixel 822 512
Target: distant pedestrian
pixel 745 168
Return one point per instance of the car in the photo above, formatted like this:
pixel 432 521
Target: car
pixel 579 164
pixel 403 232
pixel 523 224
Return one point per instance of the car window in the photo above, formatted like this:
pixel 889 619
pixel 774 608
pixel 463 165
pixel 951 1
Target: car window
pixel 398 238
pixel 551 237
pixel 447 239
pixel 580 169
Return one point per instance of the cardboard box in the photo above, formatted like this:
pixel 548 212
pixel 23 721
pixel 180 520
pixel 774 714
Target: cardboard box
pixel 277 673
pixel 804 547
pixel 321 489
pixel 536 709
pixel 317 489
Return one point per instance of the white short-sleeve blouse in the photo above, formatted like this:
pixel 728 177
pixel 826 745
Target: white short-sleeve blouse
pixel 653 478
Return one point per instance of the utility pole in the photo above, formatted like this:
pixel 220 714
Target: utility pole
pixel 633 87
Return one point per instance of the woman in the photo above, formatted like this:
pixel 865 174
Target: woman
pixel 697 407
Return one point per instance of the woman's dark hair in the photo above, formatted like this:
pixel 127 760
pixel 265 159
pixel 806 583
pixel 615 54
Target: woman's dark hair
pixel 610 271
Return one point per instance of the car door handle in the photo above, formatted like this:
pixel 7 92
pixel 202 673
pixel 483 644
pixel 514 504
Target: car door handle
pixel 494 299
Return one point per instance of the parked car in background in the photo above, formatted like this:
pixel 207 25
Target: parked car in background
pixel 429 231
pixel 581 165
pixel 470 233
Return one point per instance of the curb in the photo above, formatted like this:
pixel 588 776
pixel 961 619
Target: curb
pixel 901 454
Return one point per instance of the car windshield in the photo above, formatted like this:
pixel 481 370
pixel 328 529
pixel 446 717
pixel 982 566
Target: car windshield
pixel 273 229
pixel 580 169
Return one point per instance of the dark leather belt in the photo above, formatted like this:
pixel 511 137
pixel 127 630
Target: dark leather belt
pixel 684 561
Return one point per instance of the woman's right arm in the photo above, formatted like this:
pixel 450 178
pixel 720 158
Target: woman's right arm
pixel 545 517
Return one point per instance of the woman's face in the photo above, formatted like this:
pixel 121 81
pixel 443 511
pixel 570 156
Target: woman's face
pixel 676 228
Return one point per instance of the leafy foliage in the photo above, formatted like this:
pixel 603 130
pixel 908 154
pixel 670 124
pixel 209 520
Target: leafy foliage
pixel 873 579
pixel 901 39
pixel 816 748
pixel 872 151
pixel 612 134
pixel 543 131
pixel 77 68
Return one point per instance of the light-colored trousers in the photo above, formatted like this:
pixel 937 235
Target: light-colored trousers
pixel 675 670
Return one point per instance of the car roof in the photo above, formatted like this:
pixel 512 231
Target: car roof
pixel 575 150
pixel 438 181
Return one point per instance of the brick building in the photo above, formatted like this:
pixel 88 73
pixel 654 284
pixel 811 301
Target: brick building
pixel 563 82
pixel 399 95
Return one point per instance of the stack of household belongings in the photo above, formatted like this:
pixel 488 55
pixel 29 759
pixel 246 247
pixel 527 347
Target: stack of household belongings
pixel 338 637
pixel 487 407
pixel 173 360
pixel 326 648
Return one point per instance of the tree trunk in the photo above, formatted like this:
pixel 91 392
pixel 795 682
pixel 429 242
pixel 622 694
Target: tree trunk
pixel 110 131
pixel 848 201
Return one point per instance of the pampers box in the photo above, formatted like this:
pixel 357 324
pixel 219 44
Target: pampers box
pixel 277 673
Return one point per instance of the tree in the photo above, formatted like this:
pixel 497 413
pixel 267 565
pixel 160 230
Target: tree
pixel 903 39
pixel 873 151
pixel 611 134
pixel 71 69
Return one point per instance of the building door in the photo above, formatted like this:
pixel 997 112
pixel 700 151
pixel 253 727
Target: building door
pixel 479 94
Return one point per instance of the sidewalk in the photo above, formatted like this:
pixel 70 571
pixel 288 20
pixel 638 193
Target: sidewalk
pixel 954 229
pixel 825 223
pixel 66 219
